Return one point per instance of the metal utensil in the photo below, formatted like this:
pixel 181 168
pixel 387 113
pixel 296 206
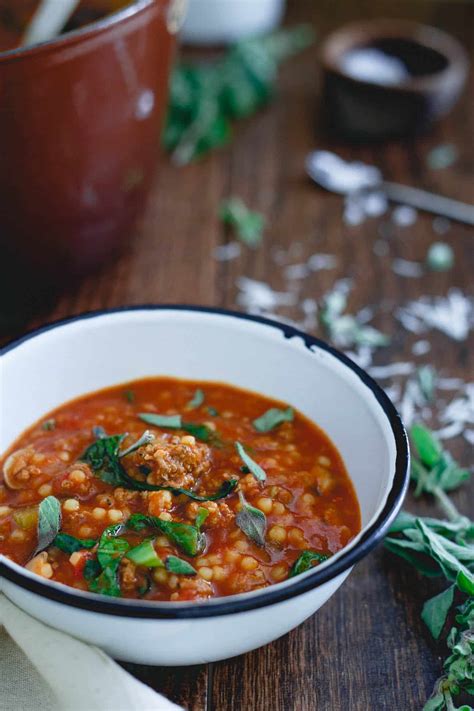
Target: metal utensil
pixel 343 177
pixel 49 19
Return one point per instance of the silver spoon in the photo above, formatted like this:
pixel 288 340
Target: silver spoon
pixel 340 176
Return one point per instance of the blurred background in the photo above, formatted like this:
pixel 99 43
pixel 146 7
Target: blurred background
pixel 311 162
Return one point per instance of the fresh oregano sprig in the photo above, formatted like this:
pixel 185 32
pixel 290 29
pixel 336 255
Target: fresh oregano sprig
pixel 346 330
pixel 442 548
pixel 434 470
pixel 205 99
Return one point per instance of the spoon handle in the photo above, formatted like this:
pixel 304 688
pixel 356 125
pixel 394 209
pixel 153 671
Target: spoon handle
pixel 49 19
pixel 436 204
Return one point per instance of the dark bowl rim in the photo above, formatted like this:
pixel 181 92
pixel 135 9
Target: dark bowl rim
pixel 88 30
pixel 267 596
pixel 366 30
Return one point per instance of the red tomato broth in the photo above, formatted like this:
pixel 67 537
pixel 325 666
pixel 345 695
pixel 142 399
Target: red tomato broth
pixel 308 498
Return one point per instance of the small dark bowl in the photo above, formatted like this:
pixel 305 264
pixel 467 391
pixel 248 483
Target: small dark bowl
pixel 358 109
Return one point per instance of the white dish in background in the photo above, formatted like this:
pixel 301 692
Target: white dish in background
pixel 68 359
pixel 210 22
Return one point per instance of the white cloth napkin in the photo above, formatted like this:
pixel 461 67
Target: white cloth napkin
pixel 42 669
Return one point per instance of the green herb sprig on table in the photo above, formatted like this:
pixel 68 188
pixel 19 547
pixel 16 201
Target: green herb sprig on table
pixel 346 330
pixel 206 98
pixel 434 470
pixel 247 224
pixel 443 548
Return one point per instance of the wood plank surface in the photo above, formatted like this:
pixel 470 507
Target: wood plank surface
pixel 367 648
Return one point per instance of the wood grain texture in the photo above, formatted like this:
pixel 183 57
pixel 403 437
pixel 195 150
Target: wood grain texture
pixel 367 648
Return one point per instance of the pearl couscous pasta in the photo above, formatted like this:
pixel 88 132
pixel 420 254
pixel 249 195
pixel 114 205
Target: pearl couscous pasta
pixel 165 489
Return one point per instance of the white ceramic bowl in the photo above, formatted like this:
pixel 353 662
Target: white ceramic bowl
pixel 70 358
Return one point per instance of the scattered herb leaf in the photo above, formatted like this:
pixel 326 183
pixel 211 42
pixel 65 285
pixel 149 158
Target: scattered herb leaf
pixel 426 376
pixel 174 422
pixel 202 514
pixel 107 582
pixel 346 330
pixel 92 569
pixel 179 566
pixel 305 561
pixel 103 457
pixel 442 156
pixel 111 546
pixel 440 257
pixel 187 537
pixel 213 412
pixel 49 523
pixel 226 488
pixel 144 586
pixel 251 521
pixel 71 544
pixel 110 552
pixel 247 225
pixel 255 468
pixel 202 432
pixel 434 471
pixel 435 611
pixel 196 401
pixel 145 554
pixel 272 418
pixel 129 396
pixel 49 425
pixel 145 439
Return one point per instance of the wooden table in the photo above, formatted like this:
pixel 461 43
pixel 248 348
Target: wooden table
pixel 367 648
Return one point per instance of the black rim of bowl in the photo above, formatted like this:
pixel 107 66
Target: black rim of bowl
pixel 245 601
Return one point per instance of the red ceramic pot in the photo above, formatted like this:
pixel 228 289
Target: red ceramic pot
pixel 80 118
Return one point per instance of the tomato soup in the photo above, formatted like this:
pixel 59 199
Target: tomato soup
pixel 170 490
